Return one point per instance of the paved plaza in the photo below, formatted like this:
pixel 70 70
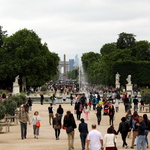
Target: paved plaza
pixel 12 140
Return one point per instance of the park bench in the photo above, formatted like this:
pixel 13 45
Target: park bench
pixel 10 118
pixel 6 124
pixel 147 108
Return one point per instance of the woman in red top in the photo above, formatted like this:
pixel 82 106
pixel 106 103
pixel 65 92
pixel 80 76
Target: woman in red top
pixel 111 113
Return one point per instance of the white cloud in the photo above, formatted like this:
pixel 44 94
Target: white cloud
pixel 77 26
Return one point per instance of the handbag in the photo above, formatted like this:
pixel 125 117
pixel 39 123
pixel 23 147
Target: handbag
pixel 38 124
pixel 64 127
pixel 57 127
pixel 69 129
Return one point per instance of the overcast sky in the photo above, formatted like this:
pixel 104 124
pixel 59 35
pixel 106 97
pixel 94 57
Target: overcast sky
pixel 77 26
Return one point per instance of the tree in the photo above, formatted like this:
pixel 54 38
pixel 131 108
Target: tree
pixel 107 48
pixel 126 40
pixel 142 49
pixel 27 57
pixel 2 35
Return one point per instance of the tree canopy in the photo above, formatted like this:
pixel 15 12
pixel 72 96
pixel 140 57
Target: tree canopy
pixel 126 56
pixel 25 55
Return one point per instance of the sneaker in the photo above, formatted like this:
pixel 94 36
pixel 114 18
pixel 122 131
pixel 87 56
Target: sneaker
pixel 132 147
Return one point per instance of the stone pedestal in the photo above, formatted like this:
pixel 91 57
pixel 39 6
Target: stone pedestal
pixel 129 88
pixel 117 85
pixel 16 88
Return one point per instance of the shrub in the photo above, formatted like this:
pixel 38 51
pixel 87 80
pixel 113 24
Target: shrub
pixel 19 99
pixel 44 88
pixel 146 98
pixel 2 111
pixel 10 106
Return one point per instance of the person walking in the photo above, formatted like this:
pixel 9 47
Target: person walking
pixel 64 97
pixel 147 122
pixel 30 104
pixel 94 102
pixel 42 98
pixel 71 99
pixel 135 101
pixel 83 129
pixel 110 139
pixel 116 105
pixel 57 125
pixel 23 118
pixel 141 143
pixel 69 123
pixel 36 118
pixel 123 129
pixel 52 98
pixel 128 119
pixel 60 111
pixel 86 111
pixel 111 113
pixel 51 113
pixel 79 109
pixel 99 113
pixel 94 139
pixel 134 127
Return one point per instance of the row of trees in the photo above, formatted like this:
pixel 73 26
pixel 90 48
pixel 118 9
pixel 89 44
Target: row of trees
pixel 126 56
pixel 23 54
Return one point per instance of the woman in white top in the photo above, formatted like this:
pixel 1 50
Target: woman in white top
pixel 36 118
pixel 109 140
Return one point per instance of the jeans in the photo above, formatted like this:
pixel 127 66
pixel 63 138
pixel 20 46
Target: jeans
pixel 98 118
pixel 78 115
pixel 124 135
pixel 141 143
pixel 35 130
pixel 111 119
pixel 135 107
pixel 57 133
pixel 83 139
pixel 23 129
pixel 146 134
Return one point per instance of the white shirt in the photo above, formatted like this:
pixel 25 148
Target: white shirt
pixel 35 119
pixel 109 140
pixel 95 136
pixel 117 103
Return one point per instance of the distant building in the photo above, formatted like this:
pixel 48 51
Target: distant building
pixel 71 64
pixel 76 61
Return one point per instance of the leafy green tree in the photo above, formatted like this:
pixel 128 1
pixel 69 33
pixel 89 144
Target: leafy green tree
pixel 107 48
pixel 27 57
pixel 2 35
pixel 125 40
pixel 73 74
pixel 142 49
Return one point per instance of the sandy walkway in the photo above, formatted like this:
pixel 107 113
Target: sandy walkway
pixel 47 141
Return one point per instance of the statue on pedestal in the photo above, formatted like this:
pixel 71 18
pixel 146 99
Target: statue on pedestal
pixel 16 79
pixel 117 78
pixel 129 79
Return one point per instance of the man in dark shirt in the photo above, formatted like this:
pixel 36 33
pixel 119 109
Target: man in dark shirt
pixel 51 113
pixel 83 129
pixel 141 142
pixel 98 114
pixel 135 101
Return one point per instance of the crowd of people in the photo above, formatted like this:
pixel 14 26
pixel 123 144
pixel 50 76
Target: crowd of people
pixel 130 122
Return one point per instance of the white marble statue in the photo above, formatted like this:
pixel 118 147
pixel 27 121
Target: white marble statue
pixel 129 79
pixel 117 78
pixel 16 79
